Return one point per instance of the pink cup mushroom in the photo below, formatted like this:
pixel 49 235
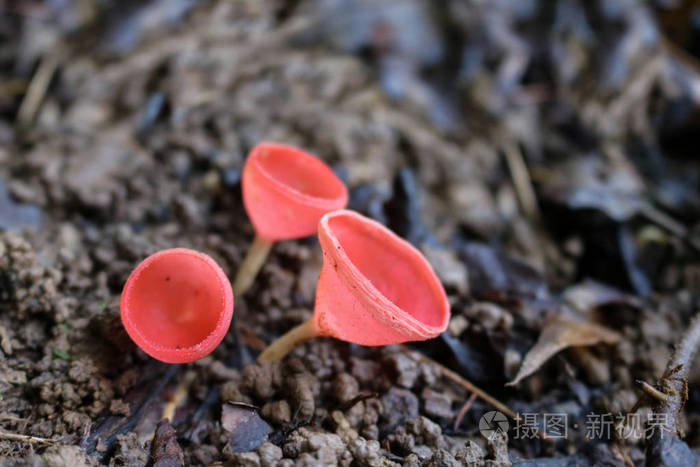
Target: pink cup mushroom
pixel 375 289
pixel 177 305
pixel 285 193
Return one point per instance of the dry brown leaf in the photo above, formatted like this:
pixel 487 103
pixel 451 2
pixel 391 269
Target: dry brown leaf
pixel 560 332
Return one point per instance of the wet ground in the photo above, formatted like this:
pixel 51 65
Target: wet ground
pixel 541 155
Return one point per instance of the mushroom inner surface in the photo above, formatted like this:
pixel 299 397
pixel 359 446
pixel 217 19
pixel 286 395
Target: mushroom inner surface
pixel 176 301
pixel 301 172
pixel 394 269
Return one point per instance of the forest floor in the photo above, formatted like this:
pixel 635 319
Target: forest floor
pixel 549 174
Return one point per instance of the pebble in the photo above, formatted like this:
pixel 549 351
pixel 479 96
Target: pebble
pixel 277 412
pixel 405 368
pixel 436 404
pixel 399 406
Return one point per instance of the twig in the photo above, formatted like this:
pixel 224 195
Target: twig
pixel 357 399
pixel 37 88
pixel 622 454
pixel 142 59
pixel 636 92
pixel 25 438
pixel 12 418
pixel 183 388
pixel 681 55
pixel 462 382
pixel 521 180
pixel 5 342
pixel 648 210
pixel 667 222
pixel 652 391
pixel 674 384
pixel 475 390
pixel 463 411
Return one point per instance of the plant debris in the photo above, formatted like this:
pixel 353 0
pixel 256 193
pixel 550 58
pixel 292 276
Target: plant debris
pixel 542 155
pixel 558 333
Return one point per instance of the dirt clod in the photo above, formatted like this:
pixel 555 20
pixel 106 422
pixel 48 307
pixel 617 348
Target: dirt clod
pixel 165 450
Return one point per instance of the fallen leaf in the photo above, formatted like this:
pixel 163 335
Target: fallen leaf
pixel 589 294
pixel 587 183
pixel 491 270
pixel 246 430
pixel 560 332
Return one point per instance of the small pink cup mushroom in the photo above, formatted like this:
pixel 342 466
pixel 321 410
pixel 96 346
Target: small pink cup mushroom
pixel 374 289
pixel 285 193
pixel 177 305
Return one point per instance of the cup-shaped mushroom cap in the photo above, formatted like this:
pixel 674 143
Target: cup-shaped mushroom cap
pixel 375 288
pixel 287 190
pixel 177 305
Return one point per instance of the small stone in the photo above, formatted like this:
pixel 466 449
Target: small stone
pixel 364 371
pixel 257 380
pixel 470 454
pixel 246 459
pixel 423 452
pixel 277 412
pixel 345 387
pixel 401 442
pixel 302 397
pixel 366 452
pixel 442 458
pixel 119 407
pixel 129 450
pixel 436 404
pixel 458 324
pixel 498 448
pixel 269 454
pixel 58 456
pixel 399 406
pixel 231 392
pixel 426 431
pixel 412 460
pixel 491 316
pixel 406 369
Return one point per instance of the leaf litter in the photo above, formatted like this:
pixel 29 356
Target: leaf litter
pixel 136 144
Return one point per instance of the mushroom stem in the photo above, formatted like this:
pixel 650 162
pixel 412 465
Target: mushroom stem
pixel 289 341
pixel 251 265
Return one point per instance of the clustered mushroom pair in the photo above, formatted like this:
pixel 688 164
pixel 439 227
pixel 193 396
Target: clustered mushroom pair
pixel 374 288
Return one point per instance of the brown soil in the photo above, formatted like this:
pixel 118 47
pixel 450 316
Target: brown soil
pixel 137 145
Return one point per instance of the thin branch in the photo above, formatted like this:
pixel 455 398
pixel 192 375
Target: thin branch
pixel 652 391
pixel 475 390
pixel 674 384
pixel 463 411
pixel 483 395
pixel 179 395
pixel 38 87
pixel 521 180
pixel 25 438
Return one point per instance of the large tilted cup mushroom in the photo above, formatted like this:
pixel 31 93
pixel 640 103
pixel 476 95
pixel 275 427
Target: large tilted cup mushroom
pixel 177 305
pixel 374 289
pixel 285 193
